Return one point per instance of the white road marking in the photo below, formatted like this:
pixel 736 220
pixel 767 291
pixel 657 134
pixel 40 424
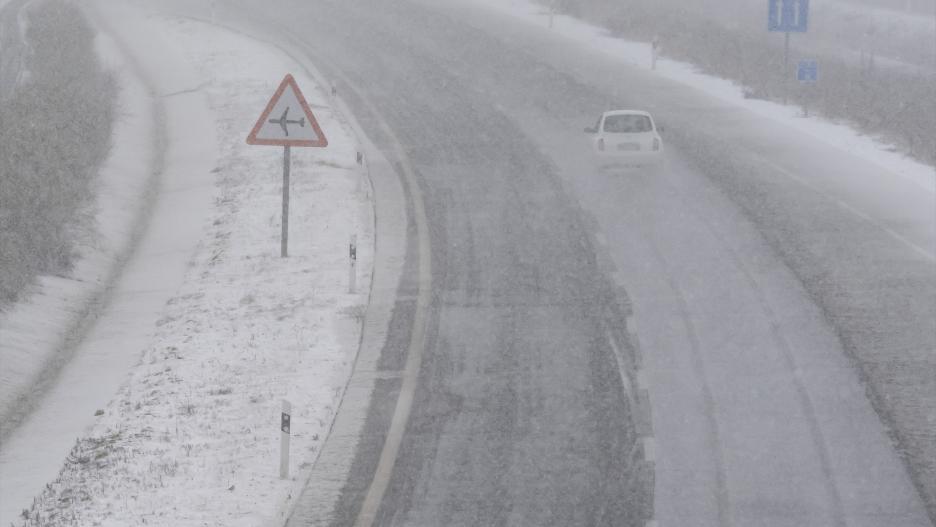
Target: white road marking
pixel 391 448
pixel 856 212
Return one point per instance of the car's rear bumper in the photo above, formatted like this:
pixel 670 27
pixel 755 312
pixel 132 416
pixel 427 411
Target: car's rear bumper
pixel 644 158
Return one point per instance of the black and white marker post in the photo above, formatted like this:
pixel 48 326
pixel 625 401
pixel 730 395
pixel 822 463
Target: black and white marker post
pixel 654 51
pixel 352 253
pixel 275 128
pixel 285 427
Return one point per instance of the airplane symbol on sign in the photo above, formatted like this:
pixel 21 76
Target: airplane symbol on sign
pixel 283 122
pixel 281 130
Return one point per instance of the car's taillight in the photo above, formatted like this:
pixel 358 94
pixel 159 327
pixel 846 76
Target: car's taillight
pixel 656 144
pixel 601 145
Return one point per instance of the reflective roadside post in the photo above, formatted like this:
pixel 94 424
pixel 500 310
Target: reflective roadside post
pixel 285 426
pixel 352 254
pixel 654 51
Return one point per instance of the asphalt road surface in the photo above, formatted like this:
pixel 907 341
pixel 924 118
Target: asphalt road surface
pixel 772 280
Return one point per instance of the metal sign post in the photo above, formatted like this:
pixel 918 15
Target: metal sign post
pixel 788 16
pixel 807 73
pixel 284 239
pixel 283 131
pixel 786 66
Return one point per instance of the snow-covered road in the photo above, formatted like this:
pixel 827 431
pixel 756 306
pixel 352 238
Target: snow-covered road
pixel 781 276
pixel 757 263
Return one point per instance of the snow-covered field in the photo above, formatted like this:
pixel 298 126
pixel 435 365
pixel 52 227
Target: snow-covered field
pixel 638 53
pixel 192 437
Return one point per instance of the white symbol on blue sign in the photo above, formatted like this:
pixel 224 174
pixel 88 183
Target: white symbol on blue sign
pixel 807 71
pixel 790 16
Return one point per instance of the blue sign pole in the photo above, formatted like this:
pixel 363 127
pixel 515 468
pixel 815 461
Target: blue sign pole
pixel 807 73
pixel 786 64
pixel 773 15
pixel 787 16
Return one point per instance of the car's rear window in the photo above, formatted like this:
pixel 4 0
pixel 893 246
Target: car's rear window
pixel 627 124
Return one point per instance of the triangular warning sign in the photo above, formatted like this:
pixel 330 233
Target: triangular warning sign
pixel 287 120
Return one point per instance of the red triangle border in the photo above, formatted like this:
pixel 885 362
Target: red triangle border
pixel 288 81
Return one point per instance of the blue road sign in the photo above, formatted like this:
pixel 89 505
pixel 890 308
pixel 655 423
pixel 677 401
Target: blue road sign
pixel 790 16
pixel 807 71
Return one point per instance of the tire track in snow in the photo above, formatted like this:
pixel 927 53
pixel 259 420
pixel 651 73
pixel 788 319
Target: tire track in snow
pixel 723 500
pixel 786 353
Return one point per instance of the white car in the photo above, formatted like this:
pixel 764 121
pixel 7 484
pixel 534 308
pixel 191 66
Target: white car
pixel 628 138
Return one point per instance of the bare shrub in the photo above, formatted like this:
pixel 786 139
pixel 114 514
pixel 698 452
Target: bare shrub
pixel 55 132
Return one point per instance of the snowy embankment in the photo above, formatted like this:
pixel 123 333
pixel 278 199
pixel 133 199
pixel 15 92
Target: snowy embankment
pixel 36 334
pixel 192 437
pixel 169 225
pixel 635 53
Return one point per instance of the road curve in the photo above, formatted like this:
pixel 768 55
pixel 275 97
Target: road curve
pixel 520 417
